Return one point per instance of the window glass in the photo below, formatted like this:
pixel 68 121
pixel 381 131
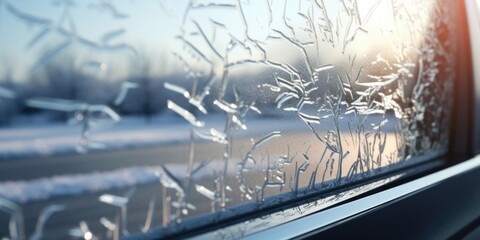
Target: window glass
pixel 127 117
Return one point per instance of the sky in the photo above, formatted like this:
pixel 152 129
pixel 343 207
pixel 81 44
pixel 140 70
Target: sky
pixel 146 27
pixel 112 36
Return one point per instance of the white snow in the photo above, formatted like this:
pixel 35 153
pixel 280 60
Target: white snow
pixel 40 138
pixel 71 185
pixel 94 182
pixel 37 138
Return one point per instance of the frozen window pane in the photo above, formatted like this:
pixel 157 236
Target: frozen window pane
pixel 169 115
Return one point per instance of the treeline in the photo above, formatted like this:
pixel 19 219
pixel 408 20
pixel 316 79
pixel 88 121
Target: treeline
pixel 63 78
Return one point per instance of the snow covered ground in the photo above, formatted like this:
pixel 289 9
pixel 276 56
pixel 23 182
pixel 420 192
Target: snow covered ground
pixel 71 185
pixel 34 139
pixel 29 139
pixel 43 139
pixel 46 188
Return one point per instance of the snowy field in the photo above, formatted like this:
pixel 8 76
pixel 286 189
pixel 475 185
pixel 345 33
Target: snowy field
pixel 27 139
pixel 39 141
pixel 35 143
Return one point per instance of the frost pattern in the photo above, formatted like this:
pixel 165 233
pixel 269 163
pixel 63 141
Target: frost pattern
pixel 271 101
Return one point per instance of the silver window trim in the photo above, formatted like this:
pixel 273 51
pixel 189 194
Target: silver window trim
pixel 473 18
pixel 326 217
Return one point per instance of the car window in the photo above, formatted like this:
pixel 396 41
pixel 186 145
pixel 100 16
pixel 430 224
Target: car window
pixel 122 118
